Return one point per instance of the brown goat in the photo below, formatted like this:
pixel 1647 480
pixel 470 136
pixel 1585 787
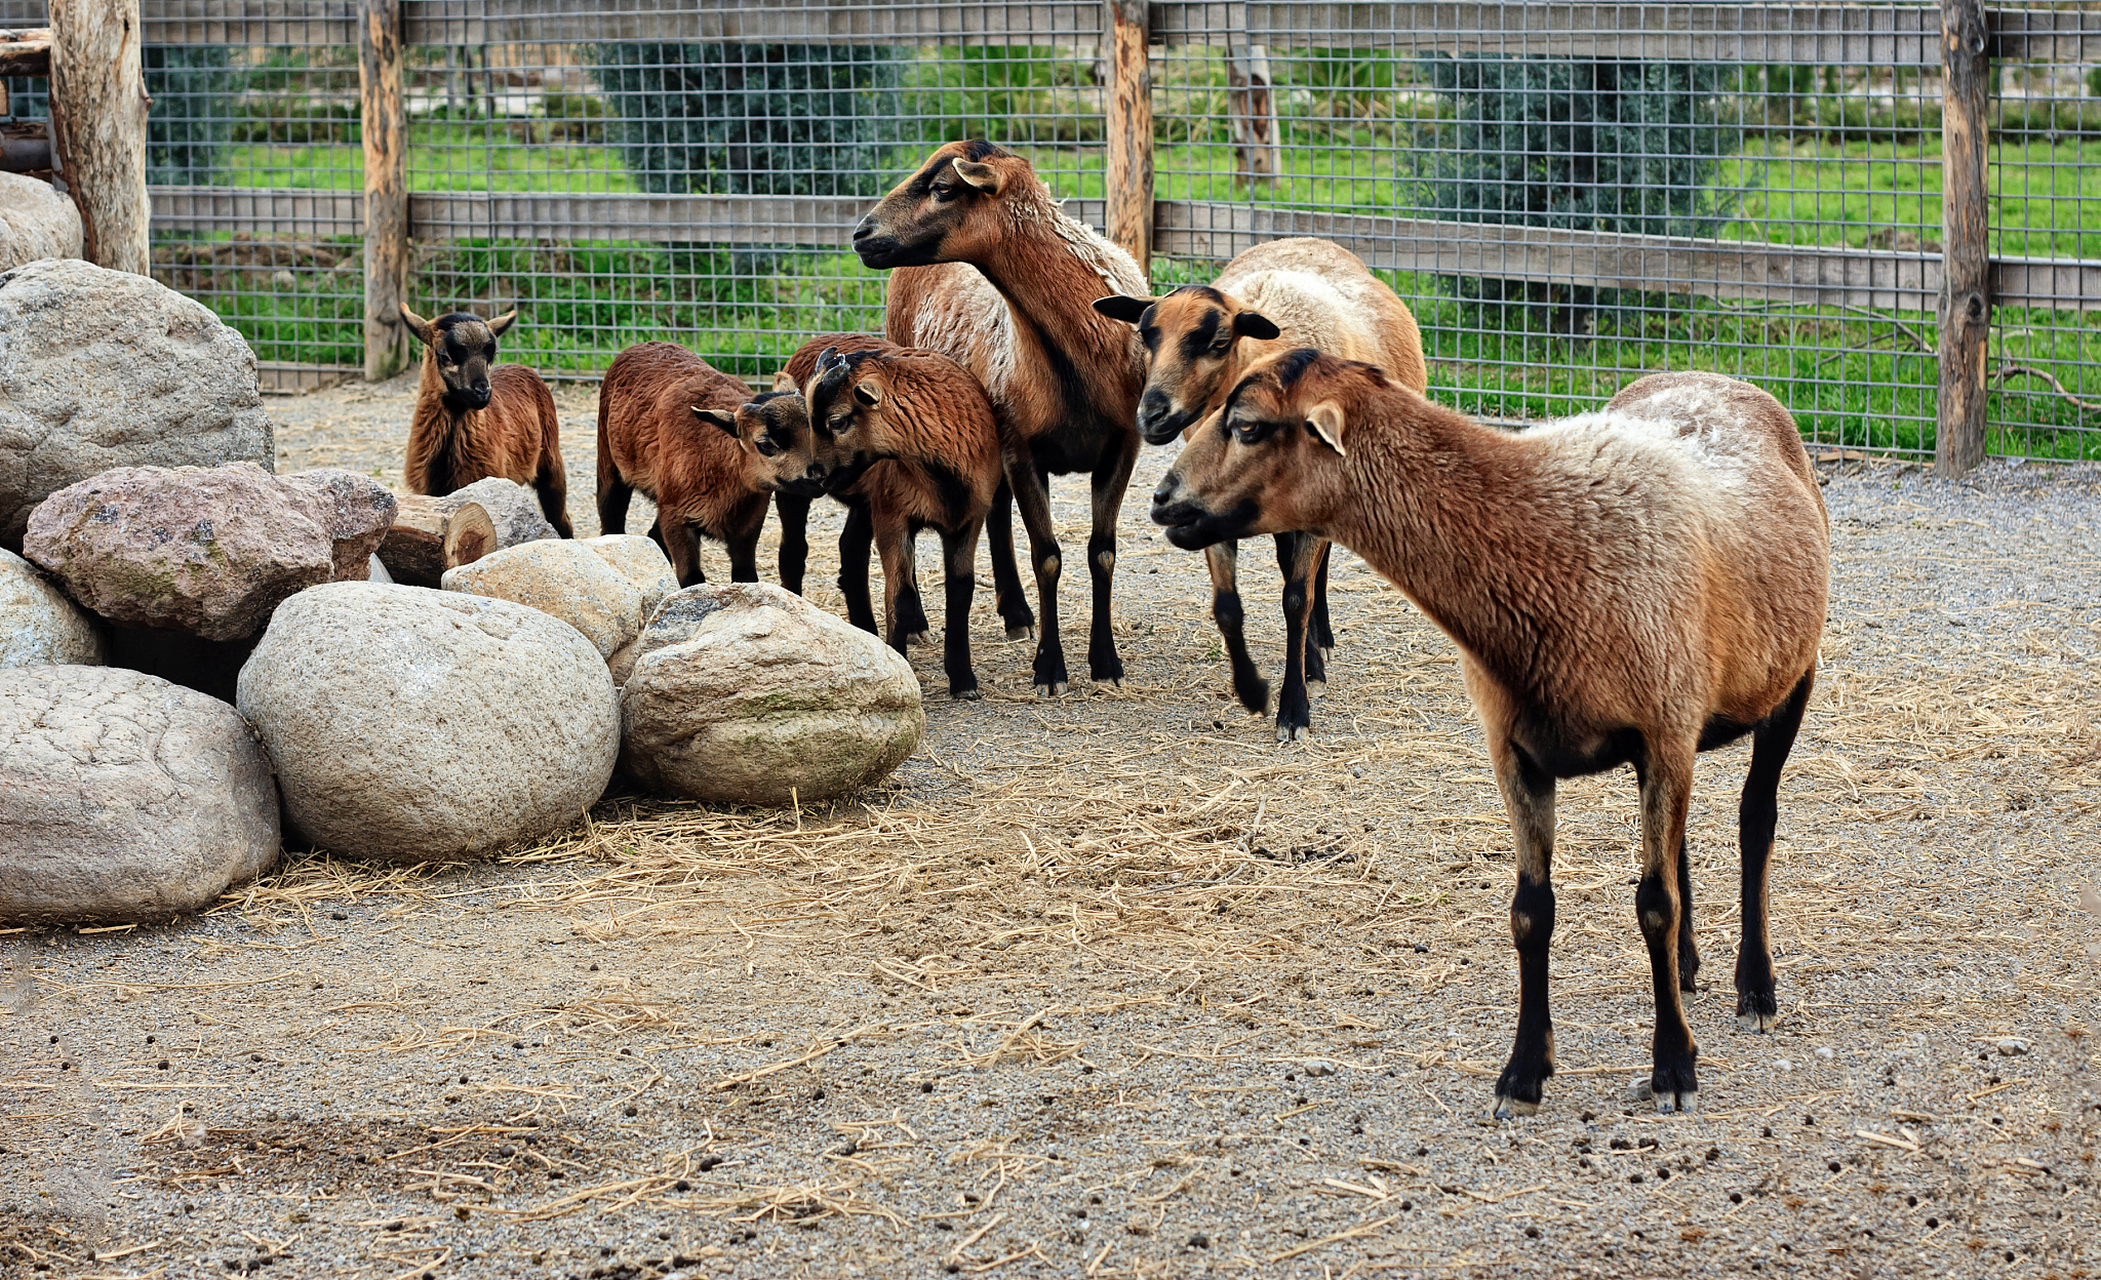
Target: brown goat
pixel 995 275
pixel 911 443
pixel 1199 341
pixel 1627 587
pixel 710 454
pixel 475 419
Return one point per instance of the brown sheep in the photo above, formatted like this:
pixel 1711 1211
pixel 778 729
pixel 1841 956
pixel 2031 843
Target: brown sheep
pixel 709 453
pixel 1627 587
pixel 911 443
pixel 1199 340
pixel 475 419
pixel 991 272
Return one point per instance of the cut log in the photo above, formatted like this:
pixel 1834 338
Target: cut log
pixel 431 535
pixel 513 508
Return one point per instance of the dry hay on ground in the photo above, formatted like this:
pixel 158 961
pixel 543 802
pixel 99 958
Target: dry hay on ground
pixel 1117 986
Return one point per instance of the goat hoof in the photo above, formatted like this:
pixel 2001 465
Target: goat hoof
pixel 1294 733
pixel 1113 682
pixel 920 637
pixel 1685 1102
pixel 1055 689
pixel 1022 631
pixel 1757 1014
pixel 1509 1108
pixel 971 694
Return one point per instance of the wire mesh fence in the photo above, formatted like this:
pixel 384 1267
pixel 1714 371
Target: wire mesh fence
pixel 1567 195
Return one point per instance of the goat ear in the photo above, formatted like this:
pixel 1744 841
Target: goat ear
pixel 722 418
pixel 1324 421
pixel 1118 307
pixel 784 381
pixel 417 324
pixel 984 177
pixel 502 322
pixel 868 393
pixel 1253 324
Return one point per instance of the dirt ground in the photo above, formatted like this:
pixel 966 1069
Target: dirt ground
pixel 1116 985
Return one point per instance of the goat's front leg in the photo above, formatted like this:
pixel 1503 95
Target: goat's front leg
pixel 1757 1007
pixel 1112 477
pixel 744 540
pixel 960 552
pixel 854 541
pixel 1528 797
pixel 893 542
pixel 1222 559
pixel 1666 773
pixel 795 539
pixel 1295 557
pixel 1007 597
pixel 1032 494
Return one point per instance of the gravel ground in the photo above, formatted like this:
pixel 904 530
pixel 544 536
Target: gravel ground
pixel 1116 985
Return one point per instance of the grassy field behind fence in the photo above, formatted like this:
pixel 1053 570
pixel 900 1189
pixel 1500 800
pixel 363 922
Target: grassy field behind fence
pixel 1854 378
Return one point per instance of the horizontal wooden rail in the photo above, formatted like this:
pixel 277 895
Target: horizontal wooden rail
pixel 1182 228
pixel 25 52
pixel 1818 34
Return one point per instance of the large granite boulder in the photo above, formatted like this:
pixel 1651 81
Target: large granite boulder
pixel 563 578
pixel 39 627
pixel 209 551
pixel 748 694
pixel 126 798
pixel 418 725
pixel 35 222
pixel 103 369
pixel 642 562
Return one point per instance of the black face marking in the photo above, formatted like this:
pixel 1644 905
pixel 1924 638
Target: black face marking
pixel 1205 332
pixel 1293 365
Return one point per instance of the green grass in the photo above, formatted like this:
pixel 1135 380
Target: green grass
pixel 1852 379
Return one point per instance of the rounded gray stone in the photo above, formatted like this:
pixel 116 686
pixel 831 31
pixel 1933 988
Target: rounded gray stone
pixel 35 221
pixel 748 694
pixel 124 798
pixel 417 725
pixel 39 627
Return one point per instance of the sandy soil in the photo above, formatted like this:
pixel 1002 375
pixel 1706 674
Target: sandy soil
pixel 1116 985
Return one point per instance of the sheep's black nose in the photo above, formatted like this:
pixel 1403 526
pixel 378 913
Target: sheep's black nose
pixel 865 227
pixel 1164 493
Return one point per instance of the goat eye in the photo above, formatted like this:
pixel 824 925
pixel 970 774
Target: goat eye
pixel 767 448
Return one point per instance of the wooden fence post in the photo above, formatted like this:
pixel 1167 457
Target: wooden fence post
pixel 1252 102
pixel 1127 171
pixel 385 132
pixel 1965 301
pixel 98 128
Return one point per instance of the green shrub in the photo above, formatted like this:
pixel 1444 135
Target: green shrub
pixel 1592 145
pixel 193 88
pixel 1013 94
pixel 743 119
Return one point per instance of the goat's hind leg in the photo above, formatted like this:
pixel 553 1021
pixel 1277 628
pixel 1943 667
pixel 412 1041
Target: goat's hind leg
pixel 1112 476
pixel 1223 560
pixel 1757 1009
pixel 1665 772
pixel 1528 797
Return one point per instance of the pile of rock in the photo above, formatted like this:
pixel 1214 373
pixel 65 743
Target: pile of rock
pixel 398 721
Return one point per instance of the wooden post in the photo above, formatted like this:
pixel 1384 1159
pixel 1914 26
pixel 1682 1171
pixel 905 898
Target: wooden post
pixel 98 128
pixel 385 132
pixel 1253 106
pixel 1965 302
pixel 1127 170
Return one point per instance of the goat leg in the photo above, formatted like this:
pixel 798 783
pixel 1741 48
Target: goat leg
pixel 1665 771
pixel 1223 560
pixel 961 552
pixel 1032 494
pixel 854 541
pixel 1294 713
pixel 1008 599
pixel 1756 1007
pixel 1112 477
pixel 1528 797
pixel 795 539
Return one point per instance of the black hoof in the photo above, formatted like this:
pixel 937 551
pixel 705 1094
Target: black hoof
pixel 1674 1085
pixel 1757 1011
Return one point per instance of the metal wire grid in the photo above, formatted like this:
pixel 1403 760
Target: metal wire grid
pixel 2045 179
pixel 701 190
pixel 1553 219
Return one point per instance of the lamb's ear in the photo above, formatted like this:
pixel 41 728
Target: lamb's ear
pixel 1253 324
pixel 868 393
pixel 722 418
pixel 984 177
pixel 417 324
pixel 1127 309
pixel 1324 420
pixel 502 322
pixel 783 381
